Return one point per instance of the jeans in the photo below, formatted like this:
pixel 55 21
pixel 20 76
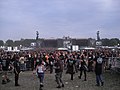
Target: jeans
pixel 22 66
pixel 41 77
pixel 99 79
pixel 59 78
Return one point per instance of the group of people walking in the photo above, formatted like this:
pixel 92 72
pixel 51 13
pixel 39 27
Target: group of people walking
pixel 71 62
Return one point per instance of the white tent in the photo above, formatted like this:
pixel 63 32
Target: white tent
pixel 62 49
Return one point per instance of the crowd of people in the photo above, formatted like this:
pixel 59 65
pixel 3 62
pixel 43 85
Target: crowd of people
pixel 70 62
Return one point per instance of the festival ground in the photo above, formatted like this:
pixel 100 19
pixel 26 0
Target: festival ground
pixel 29 81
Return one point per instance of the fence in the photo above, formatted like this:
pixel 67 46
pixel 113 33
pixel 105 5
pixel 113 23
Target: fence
pixel 114 63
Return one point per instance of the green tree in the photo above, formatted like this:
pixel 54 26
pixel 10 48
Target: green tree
pixel 105 42
pixel 9 43
pixel 110 42
pixel 27 42
pixel 114 42
pixel 17 43
pixel 1 43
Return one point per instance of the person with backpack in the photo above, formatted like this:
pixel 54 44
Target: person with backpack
pixel 98 69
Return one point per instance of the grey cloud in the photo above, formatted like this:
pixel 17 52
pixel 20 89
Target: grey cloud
pixel 57 18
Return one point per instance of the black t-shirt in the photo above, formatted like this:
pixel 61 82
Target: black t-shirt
pixel 82 57
pixel 90 57
pixel 83 64
pixel 70 66
pixel 71 62
pixel 5 64
pixel 51 61
pixel 61 57
pixel 98 66
pixel 17 66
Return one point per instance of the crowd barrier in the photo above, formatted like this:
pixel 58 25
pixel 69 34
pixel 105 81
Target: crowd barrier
pixel 114 63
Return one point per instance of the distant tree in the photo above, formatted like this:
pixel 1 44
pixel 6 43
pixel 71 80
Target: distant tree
pixel 9 43
pixel 114 42
pixel 82 42
pixel 1 43
pixel 105 42
pixel 27 42
pixel 110 42
pixel 17 43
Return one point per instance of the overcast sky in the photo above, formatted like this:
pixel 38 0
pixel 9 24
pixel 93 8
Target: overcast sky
pixel 58 18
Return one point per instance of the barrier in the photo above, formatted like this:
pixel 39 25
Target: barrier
pixel 114 62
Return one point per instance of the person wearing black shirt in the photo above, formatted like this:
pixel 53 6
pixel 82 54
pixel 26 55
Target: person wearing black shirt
pixel 5 65
pixel 71 66
pixel 16 70
pixel 98 69
pixel 83 67
pixel 90 62
pixel 51 61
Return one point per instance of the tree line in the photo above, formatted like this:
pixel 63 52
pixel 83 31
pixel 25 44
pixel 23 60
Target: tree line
pixel 23 42
pixel 27 42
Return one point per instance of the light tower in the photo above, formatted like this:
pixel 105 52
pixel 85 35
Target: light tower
pixel 37 37
pixel 98 41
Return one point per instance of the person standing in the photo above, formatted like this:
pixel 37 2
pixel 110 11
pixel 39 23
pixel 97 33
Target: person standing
pixel 5 65
pixel 83 67
pixel 90 62
pixel 98 69
pixel 16 70
pixel 58 70
pixel 40 69
pixel 51 62
pixel 71 66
